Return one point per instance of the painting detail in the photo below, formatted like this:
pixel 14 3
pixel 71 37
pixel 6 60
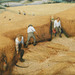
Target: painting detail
pixel 37 37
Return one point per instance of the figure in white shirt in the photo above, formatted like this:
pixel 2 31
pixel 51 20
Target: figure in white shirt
pixel 57 26
pixel 19 43
pixel 30 32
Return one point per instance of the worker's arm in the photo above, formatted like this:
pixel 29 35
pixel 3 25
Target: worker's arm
pixel 36 33
pixel 16 46
pixel 34 30
pixel 22 41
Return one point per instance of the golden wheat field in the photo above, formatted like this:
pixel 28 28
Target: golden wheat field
pixel 55 57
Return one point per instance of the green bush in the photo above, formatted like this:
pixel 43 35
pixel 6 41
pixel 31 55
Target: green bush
pixel 6 5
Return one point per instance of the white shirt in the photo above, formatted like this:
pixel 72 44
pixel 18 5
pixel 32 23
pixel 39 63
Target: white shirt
pixel 57 24
pixel 30 29
pixel 18 42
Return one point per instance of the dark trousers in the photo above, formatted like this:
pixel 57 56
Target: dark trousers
pixel 21 51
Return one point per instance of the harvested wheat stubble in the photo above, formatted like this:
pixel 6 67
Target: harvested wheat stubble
pixel 58 47
pixel 58 67
pixel 41 52
pixel 68 71
pixel 64 59
pixel 68 21
pixel 55 69
pixel 42 55
pixel 69 53
pixel 15 24
pixel 18 25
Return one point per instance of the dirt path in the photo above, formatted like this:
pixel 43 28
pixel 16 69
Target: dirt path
pixel 49 58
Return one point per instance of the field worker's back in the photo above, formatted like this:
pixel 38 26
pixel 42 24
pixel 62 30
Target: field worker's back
pixel 31 29
pixel 18 42
pixel 57 24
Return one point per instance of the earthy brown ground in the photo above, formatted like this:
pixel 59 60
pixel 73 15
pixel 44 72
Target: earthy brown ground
pixel 47 58
pixel 18 25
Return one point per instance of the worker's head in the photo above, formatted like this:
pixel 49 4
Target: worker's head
pixel 30 25
pixel 19 37
pixel 58 19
